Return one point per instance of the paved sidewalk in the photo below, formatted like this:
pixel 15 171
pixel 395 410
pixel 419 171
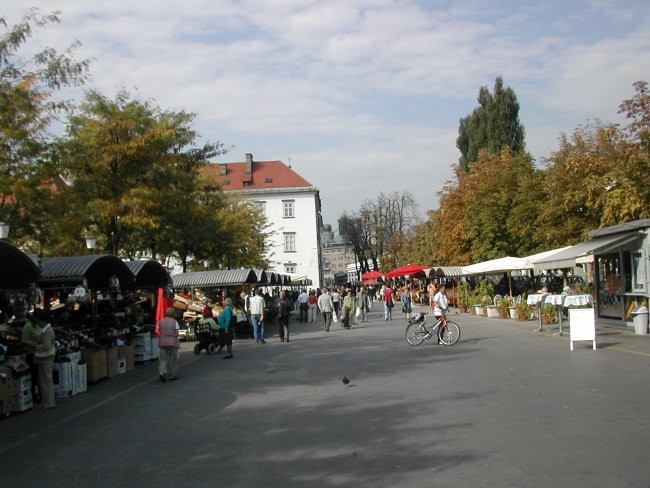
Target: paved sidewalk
pixel 506 406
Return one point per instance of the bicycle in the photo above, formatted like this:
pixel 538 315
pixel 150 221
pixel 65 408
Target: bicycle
pixel 417 332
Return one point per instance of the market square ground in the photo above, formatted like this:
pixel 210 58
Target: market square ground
pixel 506 406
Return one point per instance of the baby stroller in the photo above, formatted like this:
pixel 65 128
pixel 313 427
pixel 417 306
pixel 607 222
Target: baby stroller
pixel 207 338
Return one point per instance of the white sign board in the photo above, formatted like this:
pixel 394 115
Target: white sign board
pixel 582 324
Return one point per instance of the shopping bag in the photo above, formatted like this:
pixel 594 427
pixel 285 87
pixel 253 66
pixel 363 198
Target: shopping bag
pixel 334 317
pixel 358 312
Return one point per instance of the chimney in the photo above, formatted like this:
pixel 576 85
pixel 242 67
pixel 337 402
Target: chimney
pixel 222 170
pixel 249 163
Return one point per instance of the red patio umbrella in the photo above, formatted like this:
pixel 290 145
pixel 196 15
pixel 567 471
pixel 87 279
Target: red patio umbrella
pixel 409 269
pixel 371 275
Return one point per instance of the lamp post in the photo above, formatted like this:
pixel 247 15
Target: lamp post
pixel 4 230
pixel 91 242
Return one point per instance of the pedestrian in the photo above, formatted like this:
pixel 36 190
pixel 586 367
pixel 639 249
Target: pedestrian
pixel 303 306
pixel 283 307
pixel 30 337
pixel 227 320
pixel 387 297
pixel 432 289
pixel 207 322
pixel 362 305
pixel 326 307
pixel 336 300
pixel 169 344
pixel 349 305
pixel 313 307
pixel 406 301
pixel 44 358
pixel 257 316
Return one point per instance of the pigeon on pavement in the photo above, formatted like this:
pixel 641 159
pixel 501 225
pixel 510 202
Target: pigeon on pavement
pixel 346 381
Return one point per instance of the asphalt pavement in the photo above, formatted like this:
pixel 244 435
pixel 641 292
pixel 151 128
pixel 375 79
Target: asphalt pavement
pixel 506 406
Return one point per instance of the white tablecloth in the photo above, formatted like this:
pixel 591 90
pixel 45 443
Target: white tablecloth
pixel 535 299
pixel 554 299
pixel 577 300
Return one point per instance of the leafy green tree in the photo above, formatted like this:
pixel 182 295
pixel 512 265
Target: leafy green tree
pixel 133 168
pixel 27 107
pixel 491 126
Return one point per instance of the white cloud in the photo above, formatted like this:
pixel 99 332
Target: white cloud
pixel 321 80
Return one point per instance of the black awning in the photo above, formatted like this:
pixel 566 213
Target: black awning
pixel 96 270
pixel 17 269
pixel 218 277
pixel 149 273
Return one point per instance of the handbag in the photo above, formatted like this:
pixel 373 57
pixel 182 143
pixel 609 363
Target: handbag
pixel 334 317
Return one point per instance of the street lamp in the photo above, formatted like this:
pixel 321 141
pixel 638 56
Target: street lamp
pixel 91 242
pixel 4 230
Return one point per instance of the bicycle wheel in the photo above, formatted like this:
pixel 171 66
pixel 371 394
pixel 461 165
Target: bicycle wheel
pixel 415 334
pixel 449 333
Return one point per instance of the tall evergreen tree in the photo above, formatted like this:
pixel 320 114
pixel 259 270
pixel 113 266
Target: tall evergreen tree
pixel 491 126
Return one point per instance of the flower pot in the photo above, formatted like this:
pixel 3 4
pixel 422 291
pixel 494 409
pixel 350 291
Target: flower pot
pixel 502 314
pixel 463 308
pixel 513 312
pixel 545 320
pixel 492 311
pixel 522 316
pixel 478 309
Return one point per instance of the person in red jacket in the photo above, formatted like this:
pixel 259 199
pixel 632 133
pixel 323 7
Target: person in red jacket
pixel 169 344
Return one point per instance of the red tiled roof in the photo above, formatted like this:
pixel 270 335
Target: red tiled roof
pixel 265 174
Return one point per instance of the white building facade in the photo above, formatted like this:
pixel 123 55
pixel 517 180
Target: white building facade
pixel 292 207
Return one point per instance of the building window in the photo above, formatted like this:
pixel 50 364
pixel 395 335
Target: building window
pixel 288 209
pixel 290 268
pixel 290 242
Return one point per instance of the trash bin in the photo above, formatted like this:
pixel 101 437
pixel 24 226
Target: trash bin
pixel 640 319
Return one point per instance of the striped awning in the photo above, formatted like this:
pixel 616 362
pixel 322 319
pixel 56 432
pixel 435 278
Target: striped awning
pixel 449 271
pixel 217 277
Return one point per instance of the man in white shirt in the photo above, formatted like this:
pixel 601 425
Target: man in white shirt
pixel 441 302
pixel 303 306
pixel 257 316
pixel 326 307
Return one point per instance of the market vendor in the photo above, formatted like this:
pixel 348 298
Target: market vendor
pixel 30 337
pixel 44 358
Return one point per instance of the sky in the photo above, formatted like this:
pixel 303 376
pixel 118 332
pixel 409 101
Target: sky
pixel 359 96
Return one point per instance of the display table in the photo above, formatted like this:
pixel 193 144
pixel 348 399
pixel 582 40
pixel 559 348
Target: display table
pixel 578 300
pixel 557 301
pixel 537 299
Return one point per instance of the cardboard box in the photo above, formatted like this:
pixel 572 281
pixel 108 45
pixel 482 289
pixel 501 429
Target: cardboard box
pixel 23 402
pixel 111 362
pixel 9 388
pixel 62 379
pixel 25 382
pixel 127 352
pixel 96 367
pixel 121 365
pixel 79 379
pixel 8 405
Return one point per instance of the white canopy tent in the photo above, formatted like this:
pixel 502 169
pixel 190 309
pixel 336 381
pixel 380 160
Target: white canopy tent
pixel 568 257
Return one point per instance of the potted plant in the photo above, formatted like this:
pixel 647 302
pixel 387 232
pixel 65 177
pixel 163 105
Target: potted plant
pixel 463 294
pixel 502 307
pixel 523 309
pixel 548 314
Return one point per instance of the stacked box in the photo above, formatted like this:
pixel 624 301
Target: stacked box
pixel 145 347
pixel 111 362
pixel 25 400
pixel 79 379
pixel 121 365
pixel 9 389
pixel 96 367
pixel 62 379
pixel 126 352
